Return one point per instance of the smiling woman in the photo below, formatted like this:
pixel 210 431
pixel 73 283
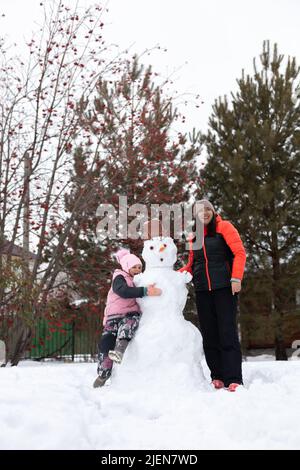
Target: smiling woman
pixel 217 270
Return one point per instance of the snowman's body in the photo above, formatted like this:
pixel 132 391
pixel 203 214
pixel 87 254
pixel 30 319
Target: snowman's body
pixel 166 347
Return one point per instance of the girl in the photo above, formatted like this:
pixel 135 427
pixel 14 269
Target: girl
pixel 122 314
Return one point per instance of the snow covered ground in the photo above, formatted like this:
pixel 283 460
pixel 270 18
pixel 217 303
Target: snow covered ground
pixel 53 406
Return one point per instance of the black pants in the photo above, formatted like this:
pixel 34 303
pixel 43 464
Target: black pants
pixel 217 316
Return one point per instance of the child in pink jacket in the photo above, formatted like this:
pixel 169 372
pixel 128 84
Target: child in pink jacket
pixel 122 314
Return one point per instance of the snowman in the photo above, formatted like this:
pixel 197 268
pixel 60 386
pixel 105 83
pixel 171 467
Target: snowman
pixel 166 351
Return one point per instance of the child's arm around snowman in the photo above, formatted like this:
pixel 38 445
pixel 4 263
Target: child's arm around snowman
pixel 121 288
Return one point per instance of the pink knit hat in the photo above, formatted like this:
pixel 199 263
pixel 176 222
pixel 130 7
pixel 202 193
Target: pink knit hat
pixel 127 259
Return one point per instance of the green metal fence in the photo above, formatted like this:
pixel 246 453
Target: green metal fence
pixel 72 342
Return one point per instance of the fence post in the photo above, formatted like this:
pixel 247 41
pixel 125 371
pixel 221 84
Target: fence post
pixel 2 353
pixel 73 340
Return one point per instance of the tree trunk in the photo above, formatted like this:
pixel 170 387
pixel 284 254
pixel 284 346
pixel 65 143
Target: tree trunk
pixel 26 215
pixel 280 350
pixel 19 340
pixel 277 308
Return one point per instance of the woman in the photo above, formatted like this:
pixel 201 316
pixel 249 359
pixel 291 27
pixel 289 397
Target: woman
pixel 217 270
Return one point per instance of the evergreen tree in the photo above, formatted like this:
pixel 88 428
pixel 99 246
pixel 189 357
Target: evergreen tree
pixel 252 173
pixel 131 150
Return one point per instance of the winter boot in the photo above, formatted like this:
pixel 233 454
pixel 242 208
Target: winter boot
pixel 218 383
pixel 116 355
pixel 100 381
pixel 232 387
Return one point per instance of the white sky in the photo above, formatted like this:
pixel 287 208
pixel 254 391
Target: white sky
pixel 208 42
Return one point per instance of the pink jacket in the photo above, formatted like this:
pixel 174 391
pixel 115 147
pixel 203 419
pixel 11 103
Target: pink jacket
pixel 116 305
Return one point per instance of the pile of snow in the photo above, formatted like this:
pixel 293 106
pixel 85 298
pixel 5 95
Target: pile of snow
pixel 167 349
pixel 53 406
pixel 159 397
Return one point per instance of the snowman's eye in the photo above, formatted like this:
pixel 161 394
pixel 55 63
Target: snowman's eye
pixel 151 247
pixel 165 245
pixel 161 259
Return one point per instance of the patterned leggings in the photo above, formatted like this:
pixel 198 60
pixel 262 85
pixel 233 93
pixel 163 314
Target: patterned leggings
pixel 116 334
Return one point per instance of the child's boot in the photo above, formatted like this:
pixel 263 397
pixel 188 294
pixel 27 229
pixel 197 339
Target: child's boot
pixel 104 371
pixel 116 355
pixel 100 381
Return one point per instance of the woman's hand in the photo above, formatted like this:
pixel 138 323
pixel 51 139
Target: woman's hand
pixel 236 286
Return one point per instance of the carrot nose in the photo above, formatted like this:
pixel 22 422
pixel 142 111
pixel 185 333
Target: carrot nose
pixel 162 248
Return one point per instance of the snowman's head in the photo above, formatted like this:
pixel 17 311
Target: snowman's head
pixel 159 252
